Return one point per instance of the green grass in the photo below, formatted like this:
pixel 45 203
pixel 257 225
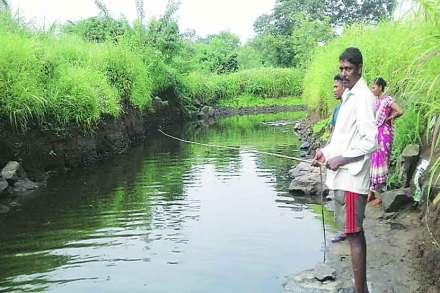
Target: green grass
pixel 264 83
pixel 248 101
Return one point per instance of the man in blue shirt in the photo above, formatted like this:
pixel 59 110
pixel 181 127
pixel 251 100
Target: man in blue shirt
pixel 338 90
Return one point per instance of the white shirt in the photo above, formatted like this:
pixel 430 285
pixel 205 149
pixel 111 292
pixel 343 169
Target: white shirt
pixel 354 135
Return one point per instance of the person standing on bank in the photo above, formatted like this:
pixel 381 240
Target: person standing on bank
pixel 386 112
pixel 338 90
pixel 347 158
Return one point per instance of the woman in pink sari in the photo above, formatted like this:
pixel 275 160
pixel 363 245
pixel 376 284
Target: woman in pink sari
pixel 386 112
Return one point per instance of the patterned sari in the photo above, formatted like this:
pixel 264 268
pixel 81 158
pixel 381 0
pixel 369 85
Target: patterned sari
pixel 380 158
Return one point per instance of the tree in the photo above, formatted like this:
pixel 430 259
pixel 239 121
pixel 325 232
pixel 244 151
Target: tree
pixel 285 11
pixel 345 12
pixel 103 10
pixel 296 27
pixel 263 24
pixel 4 5
pixel 163 33
pixel 218 53
pixel 99 29
pixel 140 11
pixel 340 13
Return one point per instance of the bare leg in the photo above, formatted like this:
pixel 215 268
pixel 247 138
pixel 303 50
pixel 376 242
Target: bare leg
pixel 358 248
pixel 370 196
pixel 378 201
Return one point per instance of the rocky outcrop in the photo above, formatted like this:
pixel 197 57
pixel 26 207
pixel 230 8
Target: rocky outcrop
pixel 307 281
pixel 13 172
pixel 323 272
pixel 395 200
pixel 306 180
pixel 13 178
pixel 408 162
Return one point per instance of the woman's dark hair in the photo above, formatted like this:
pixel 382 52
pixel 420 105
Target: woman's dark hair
pixel 380 82
pixel 352 55
pixel 338 77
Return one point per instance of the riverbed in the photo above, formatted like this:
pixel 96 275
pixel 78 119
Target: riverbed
pixel 169 217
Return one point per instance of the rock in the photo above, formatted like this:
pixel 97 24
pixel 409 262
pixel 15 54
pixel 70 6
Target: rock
pixel 307 185
pixel 3 184
pixel 346 290
pixel 23 185
pixel 305 146
pixel 390 216
pixel 408 162
pixel 306 180
pixel 395 200
pixel 206 112
pixel 397 226
pixel 301 169
pixel 323 272
pixel 305 282
pixel 13 171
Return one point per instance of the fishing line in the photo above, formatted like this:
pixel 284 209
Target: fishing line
pixel 269 154
pixel 236 148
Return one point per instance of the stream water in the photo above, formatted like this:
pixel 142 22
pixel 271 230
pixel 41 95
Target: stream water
pixel 169 217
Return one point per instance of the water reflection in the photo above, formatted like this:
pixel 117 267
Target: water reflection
pixel 168 217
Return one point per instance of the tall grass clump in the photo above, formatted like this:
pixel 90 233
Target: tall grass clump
pixel 127 73
pixel 22 96
pixel 81 96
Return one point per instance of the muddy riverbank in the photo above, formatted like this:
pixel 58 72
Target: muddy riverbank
pixel 402 256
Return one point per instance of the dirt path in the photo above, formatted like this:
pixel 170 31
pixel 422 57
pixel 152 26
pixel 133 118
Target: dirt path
pixel 390 266
pixel 390 260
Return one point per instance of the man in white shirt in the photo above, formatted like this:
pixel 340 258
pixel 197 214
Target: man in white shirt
pixel 347 157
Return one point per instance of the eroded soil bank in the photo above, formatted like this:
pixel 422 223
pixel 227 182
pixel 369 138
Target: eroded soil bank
pixel 42 149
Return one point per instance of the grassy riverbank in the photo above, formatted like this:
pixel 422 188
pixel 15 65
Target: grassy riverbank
pixel 62 80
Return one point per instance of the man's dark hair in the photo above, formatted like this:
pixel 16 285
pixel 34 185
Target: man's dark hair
pixel 380 82
pixel 338 77
pixel 352 55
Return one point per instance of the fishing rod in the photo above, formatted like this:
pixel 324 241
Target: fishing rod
pixel 269 154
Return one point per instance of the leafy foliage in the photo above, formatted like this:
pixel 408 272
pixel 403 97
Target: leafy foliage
pixel 218 53
pixel 99 29
pixel 289 35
